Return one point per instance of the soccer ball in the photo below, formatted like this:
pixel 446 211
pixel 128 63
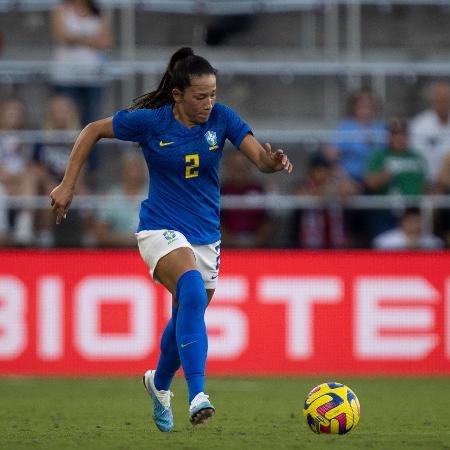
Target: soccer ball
pixel 331 408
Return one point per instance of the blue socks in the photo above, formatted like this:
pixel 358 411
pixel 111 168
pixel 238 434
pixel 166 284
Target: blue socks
pixel 191 335
pixel 184 339
pixel 169 360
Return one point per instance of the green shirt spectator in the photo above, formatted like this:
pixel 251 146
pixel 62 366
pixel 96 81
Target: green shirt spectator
pixel 404 172
pixel 396 170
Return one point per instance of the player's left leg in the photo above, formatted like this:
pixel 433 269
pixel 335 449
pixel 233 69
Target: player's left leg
pixel 178 272
pixel 191 335
pixel 169 359
pixel 207 258
pixel 168 364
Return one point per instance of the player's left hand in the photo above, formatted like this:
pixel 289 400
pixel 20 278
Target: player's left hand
pixel 278 159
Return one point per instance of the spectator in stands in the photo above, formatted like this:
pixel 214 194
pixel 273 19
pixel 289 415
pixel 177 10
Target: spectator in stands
pixel 395 170
pixel 356 138
pixel 14 164
pixel 408 235
pixel 50 160
pixel 243 227
pixel 443 188
pixel 117 219
pixel 430 130
pixel 82 34
pixel 322 227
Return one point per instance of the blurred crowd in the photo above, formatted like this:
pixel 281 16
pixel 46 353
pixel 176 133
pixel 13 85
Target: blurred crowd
pixel 368 155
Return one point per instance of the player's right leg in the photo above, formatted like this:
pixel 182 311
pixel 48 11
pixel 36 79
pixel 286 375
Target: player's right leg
pixel 162 412
pixel 157 382
pixel 169 359
pixel 154 245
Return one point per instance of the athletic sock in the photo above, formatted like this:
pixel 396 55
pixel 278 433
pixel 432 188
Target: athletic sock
pixel 169 359
pixel 191 335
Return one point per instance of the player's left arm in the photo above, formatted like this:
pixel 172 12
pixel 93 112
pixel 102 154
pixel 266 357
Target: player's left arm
pixel 263 157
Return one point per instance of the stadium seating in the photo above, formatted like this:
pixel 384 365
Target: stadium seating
pixel 288 72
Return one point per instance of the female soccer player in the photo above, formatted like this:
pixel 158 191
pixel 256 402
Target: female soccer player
pixel 182 131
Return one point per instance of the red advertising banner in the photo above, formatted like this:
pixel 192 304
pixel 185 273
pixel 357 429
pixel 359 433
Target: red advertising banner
pixel 274 312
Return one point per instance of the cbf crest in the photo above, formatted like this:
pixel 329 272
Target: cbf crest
pixel 170 236
pixel 211 138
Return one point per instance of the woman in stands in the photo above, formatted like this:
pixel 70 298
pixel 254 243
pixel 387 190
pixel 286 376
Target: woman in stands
pixel 82 35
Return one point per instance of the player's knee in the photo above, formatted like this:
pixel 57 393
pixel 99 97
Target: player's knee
pixel 191 292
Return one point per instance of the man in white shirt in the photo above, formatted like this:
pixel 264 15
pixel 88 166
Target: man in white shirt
pixel 430 129
pixel 409 235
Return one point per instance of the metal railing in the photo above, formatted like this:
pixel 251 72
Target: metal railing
pixel 285 136
pixel 275 203
pixel 217 6
pixel 117 69
pixel 333 60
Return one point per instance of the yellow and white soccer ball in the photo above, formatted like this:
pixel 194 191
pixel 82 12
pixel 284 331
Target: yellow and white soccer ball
pixel 331 408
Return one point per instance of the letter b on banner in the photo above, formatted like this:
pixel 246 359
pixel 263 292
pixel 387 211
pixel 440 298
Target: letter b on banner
pixel 12 317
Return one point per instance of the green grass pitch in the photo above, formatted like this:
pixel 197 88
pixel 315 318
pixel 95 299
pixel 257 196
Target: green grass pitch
pixel 251 413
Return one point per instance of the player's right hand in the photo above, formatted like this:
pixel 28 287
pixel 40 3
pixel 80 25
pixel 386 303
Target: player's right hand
pixel 61 198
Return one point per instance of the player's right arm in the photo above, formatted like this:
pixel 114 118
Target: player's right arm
pixel 62 195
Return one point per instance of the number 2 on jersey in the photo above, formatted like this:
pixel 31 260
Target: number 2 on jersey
pixel 192 163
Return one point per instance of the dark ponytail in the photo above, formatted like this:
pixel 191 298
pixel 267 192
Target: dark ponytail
pixel 183 65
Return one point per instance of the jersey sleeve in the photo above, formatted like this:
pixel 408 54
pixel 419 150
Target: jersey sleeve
pixel 236 129
pixel 133 126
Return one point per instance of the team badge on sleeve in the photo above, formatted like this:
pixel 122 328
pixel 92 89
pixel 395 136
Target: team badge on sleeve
pixel 211 138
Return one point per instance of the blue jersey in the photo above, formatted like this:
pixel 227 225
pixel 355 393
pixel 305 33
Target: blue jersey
pixel 183 163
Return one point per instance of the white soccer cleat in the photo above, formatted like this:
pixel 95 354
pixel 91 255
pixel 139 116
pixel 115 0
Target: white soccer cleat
pixel 201 409
pixel 162 412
